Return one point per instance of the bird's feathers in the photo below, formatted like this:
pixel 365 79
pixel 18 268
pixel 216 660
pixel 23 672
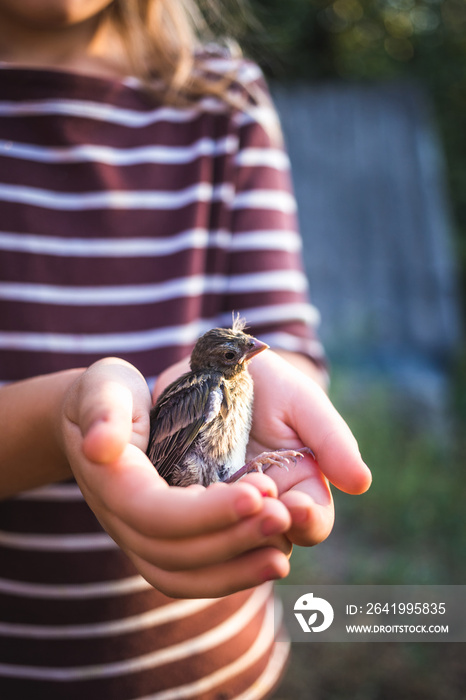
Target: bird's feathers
pixel 181 412
pixel 200 424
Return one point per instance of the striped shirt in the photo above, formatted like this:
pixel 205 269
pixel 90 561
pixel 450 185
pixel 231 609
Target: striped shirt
pixel 128 228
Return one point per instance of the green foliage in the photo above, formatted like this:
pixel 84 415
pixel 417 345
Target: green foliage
pixel 413 513
pixel 358 38
pixel 368 671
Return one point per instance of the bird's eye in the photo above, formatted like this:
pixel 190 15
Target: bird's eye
pixel 229 355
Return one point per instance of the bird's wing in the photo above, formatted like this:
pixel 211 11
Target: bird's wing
pixel 180 413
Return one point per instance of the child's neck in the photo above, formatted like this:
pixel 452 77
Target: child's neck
pixel 91 47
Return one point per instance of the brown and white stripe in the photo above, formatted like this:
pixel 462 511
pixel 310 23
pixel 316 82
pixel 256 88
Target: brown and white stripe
pixel 129 228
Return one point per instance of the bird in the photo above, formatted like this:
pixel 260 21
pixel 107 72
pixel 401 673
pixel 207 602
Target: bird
pixel 200 424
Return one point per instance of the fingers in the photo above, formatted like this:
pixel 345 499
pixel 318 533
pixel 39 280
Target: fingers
pixel 265 529
pixel 291 409
pixel 192 553
pixel 181 539
pixel 132 488
pixel 263 482
pixel 321 427
pixel 311 522
pixel 249 570
pixel 306 493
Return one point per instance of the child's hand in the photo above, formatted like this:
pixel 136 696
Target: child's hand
pixel 189 542
pixel 291 410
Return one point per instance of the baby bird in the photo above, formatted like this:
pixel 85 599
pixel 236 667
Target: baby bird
pixel 200 424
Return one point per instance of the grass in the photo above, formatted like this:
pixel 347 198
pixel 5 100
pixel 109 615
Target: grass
pixel 375 672
pixel 407 529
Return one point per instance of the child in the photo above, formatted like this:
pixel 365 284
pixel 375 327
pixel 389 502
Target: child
pixel 144 197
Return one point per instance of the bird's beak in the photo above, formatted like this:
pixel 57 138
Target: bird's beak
pixel 257 347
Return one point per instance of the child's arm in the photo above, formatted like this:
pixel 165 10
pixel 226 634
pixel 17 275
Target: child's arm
pixel 30 454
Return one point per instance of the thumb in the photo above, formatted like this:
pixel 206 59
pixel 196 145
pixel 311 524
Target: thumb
pixel 106 422
pixel 320 425
pixel 108 396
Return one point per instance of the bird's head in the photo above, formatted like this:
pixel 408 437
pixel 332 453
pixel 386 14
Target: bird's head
pixel 226 350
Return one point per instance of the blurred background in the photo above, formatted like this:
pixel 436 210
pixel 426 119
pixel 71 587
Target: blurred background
pixel 372 97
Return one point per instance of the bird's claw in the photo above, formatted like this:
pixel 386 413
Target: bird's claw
pixel 280 458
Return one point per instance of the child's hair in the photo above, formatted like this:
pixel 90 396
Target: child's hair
pixel 164 40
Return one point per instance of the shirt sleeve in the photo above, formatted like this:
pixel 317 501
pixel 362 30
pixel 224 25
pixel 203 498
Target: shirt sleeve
pixel 267 283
